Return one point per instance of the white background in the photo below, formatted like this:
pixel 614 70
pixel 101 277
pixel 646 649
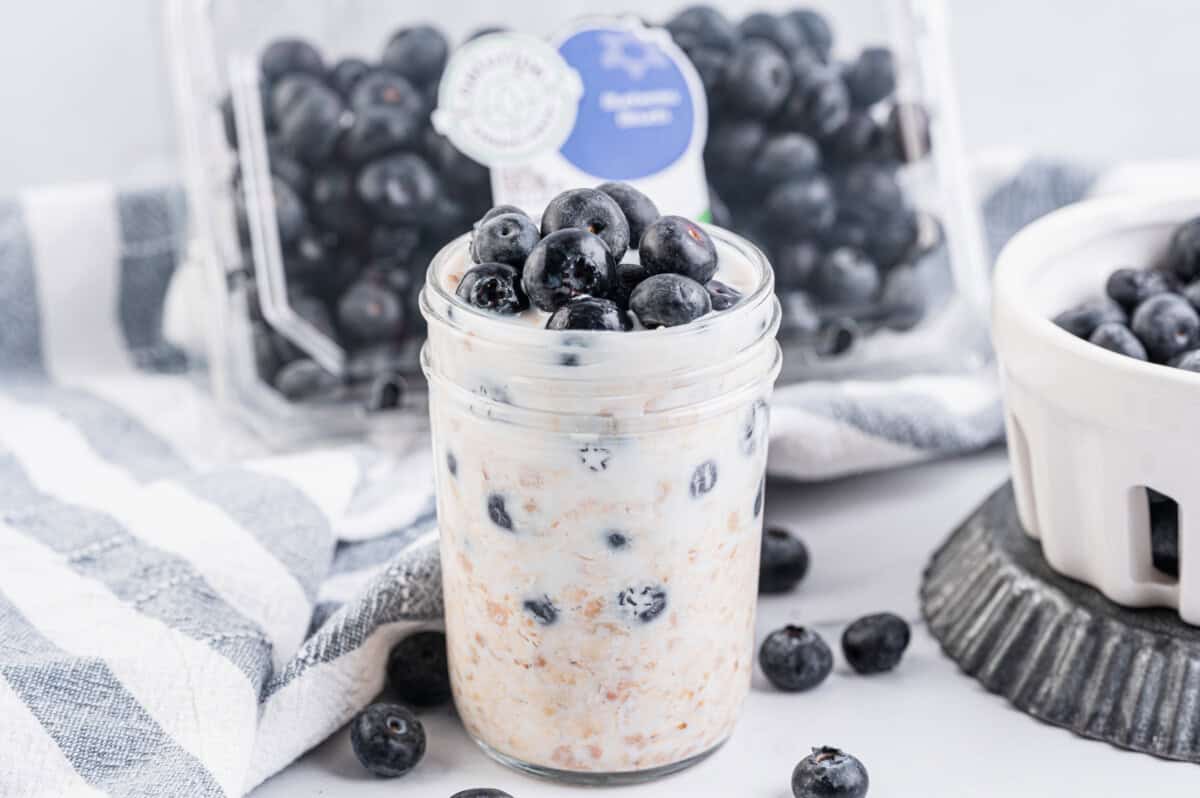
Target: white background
pixel 84 91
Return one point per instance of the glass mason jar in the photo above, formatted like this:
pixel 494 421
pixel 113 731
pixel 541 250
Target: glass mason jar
pixel 600 508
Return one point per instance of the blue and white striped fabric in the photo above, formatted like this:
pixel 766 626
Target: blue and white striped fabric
pixel 183 613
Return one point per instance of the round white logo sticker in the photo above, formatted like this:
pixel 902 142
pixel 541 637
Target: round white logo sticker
pixel 507 97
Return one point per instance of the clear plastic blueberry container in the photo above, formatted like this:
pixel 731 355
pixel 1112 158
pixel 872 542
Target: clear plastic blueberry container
pixel 316 203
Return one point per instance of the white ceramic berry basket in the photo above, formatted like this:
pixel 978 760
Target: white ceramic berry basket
pixel 1090 430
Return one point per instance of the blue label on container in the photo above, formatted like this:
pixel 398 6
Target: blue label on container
pixel 637 116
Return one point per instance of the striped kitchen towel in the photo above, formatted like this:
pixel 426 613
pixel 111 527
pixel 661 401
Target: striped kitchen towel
pixel 184 612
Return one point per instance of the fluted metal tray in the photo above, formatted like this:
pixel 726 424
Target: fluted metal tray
pixel 1057 649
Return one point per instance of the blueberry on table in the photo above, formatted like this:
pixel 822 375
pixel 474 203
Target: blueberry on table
pixel 703 26
pixel 872 77
pixel 308 117
pixel 591 210
pixel 757 80
pixel 495 287
pixel 784 561
pixel 723 296
pixel 481 792
pixel 380 129
pixel 1083 319
pixel 800 209
pixel 1188 361
pixel 499 210
pixel 567 264
pixel 1116 337
pixel 399 188
pixel 284 57
pixel 628 277
pixel 418 671
pixel 589 313
pixel 1131 287
pixel 795 659
pixel 346 73
pixel 418 53
pixel 875 643
pixel 783 157
pixel 829 773
pixel 506 238
pixel 780 31
pixel 817 33
pixel 675 245
pixel 732 146
pixel 303 379
pixel 388 739
pixel 370 313
pixel 668 300
pixel 818 103
pixel 845 276
pixel 1167 325
pixel 638 209
pixel 1183 253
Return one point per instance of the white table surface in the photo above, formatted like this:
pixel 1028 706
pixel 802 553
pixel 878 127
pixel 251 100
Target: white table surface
pixel 923 730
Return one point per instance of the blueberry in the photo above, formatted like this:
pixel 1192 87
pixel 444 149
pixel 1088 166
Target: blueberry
pixel 386 392
pixel 1166 325
pixel 481 792
pixel 1183 253
pixel 399 188
pixel 495 287
pixel 703 26
pixel 284 57
pixel 758 80
pixel 307 257
pixel 668 300
pixel 903 298
pixel 784 561
pixel 795 263
pixel 418 671
pixel 780 31
pixel 304 379
pixel 591 210
pixel 818 103
pixel 785 156
pixel 1116 337
pixel 542 609
pixel 845 276
pixel 370 313
pixel 907 132
pixel 507 238
pixel 829 773
pixel 333 203
pixel 799 315
pixel 498 512
pixel 289 211
pixel 1083 319
pixel 872 77
pixel 1188 361
pixel 893 238
pixel 815 29
pixel 616 540
pixel 638 209
pixel 875 643
pixel 567 264
pixel 860 138
pixel 394 243
pixel 589 313
pixel 388 739
pixel 795 658
pixel 1131 287
pixel 733 146
pixel 645 602
pixel 628 277
pixel 457 169
pixel 675 245
pixel 286 168
pixel 800 209
pixel 380 129
pixel 418 53
pixel 868 193
pixel 711 65
pixel 308 116
pixel 346 73
pixel 498 211
pixel 452 464
pixel 704 479
pixel 723 296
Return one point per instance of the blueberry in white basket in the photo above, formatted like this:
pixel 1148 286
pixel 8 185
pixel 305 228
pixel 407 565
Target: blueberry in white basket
pixel 1131 287
pixel 418 671
pixel 829 773
pixel 1083 319
pixel 589 313
pixel 669 300
pixel 875 643
pixel 1188 361
pixel 675 245
pixel 388 739
pixel 1167 325
pixel 795 659
pixel 495 287
pixel 591 210
pixel 566 264
pixel 1116 337
pixel 639 210
pixel 505 238
pixel 784 561
pixel 723 296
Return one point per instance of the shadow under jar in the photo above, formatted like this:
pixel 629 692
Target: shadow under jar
pixel 600 507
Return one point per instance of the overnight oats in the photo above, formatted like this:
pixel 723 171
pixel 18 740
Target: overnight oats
pixel 598 395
